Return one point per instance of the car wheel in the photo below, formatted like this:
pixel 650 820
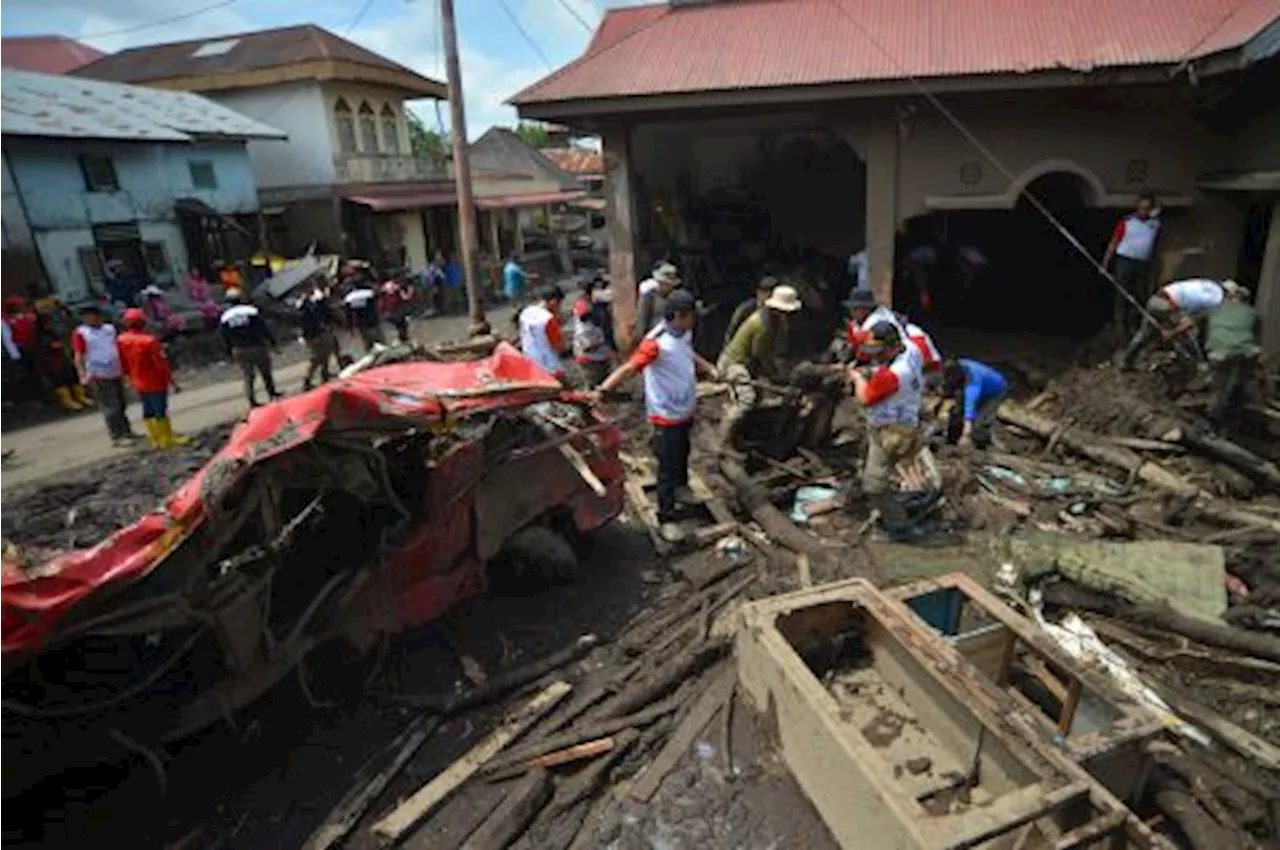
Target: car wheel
pixel 536 552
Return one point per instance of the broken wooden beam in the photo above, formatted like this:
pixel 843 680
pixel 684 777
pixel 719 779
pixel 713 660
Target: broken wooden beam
pixel 666 678
pixel 405 816
pixel 712 700
pixel 518 808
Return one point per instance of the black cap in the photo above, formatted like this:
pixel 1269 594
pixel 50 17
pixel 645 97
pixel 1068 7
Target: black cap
pixel 885 333
pixel 551 292
pixel 861 298
pixel 679 301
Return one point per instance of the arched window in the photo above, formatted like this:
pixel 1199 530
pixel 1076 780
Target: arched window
pixel 390 131
pixel 368 129
pixel 346 124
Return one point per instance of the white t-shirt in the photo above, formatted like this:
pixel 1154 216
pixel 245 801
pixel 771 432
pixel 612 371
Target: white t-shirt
pixel 1195 296
pixel 535 341
pixel 1137 237
pixel 101 355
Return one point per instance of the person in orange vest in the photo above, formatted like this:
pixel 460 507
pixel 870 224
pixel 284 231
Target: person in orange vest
pixel 229 277
pixel 146 368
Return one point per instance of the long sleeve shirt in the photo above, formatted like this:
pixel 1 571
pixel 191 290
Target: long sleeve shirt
pixel 981 384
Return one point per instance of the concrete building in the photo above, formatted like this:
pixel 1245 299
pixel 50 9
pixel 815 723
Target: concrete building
pixel 511 181
pixel 95 172
pixel 348 178
pixel 736 135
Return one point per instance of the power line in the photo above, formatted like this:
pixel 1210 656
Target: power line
pixel 1000 166
pixel 528 39
pixel 568 7
pixel 222 4
pixel 355 22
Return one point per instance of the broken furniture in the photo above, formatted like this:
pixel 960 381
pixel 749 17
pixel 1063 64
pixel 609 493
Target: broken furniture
pixel 900 742
pixel 1096 723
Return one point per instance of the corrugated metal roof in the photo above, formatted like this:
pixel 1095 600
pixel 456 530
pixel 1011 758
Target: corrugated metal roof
pixel 248 51
pixel 576 160
pixel 502 151
pixel 70 107
pixel 743 44
pixel 47 54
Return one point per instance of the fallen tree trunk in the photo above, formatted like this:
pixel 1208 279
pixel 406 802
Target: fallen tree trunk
pixel 1231 453
pixel 1199 827
pixel 1096 449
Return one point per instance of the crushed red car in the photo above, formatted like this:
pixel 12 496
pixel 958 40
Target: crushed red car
pixel 361 508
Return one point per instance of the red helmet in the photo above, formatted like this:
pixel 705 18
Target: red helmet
pixel 134 318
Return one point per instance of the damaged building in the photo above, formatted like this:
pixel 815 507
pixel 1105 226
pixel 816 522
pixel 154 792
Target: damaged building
pixel 783 134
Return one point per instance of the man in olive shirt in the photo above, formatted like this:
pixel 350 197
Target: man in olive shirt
pixel 755 351
pixel 1231 344
pixel 749 307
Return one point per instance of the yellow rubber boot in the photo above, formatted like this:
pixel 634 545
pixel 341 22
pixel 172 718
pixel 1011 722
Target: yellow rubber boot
pixel 62 396
pixel 166 432
pixel 154 436
pixel 81 396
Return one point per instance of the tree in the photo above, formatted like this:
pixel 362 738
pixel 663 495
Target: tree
pixel 425 143
pixel 534 135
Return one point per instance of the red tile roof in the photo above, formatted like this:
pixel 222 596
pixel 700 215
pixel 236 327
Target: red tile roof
pixel 46 54
pixel 720 45
pixel 248 51
pixel 575 160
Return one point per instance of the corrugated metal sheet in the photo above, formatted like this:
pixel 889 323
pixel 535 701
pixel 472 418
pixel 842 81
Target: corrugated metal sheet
pixel 743 44
pixel 47 54
pixel 576 160
pixel 249 51
pixel 620 23
pixel 69 107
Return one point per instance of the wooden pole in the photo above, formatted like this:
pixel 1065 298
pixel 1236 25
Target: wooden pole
pixel 470 246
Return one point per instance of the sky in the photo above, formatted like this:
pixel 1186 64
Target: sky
pixel 497 61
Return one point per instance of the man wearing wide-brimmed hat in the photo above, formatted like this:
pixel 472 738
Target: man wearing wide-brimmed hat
pixel 756 351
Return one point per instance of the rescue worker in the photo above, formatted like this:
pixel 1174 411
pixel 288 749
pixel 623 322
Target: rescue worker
pixel 249 342
pixel 97 361
pixel 670 366
pixel 361 304
pixel 763 290
pixel 652 296
pixel 395 300
pixel 891 391
pixel 1176 308
pixel 54 362
pixel 865 313
pixel 593 346
pixel 1129 253
pixel 229 277
pixel 755 352
pixel 146 368
pixel 1231 345
pixel 930 354
pixel 541 337
pixel 317 322
pixel 976 391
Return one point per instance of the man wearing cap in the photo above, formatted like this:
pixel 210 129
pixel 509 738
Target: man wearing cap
pixel 763 290
pixel 653 294
pixel 1231 344
pixel 361 304
pixel 670 367
pixel 1176 308
pixel 316 321
pixel 541 336
pixel 865 313
pixel 144 364
pixel 756 351
pixel 249 342
pixel 97 359
pixel 890 389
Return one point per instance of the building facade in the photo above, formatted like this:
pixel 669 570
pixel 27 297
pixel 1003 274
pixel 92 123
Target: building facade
pixel 98 172
pixel 347 179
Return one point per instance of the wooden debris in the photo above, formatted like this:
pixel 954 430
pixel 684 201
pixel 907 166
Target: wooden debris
pixel 568 755
pixel 804 570
pixel 526 799
pixel 585 784
pixel 579 464
pixel 755 500
pixel 501 684
pixel 666 678
pixel 404 817
pixel 604 683
pixel 1241 740
pixel 711 701
pixel 353 805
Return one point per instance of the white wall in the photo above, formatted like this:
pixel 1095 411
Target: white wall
pixel 306 159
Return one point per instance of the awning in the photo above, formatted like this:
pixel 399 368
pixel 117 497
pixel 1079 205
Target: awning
pixel 538 199
pixel 395 198
pixel 1241 181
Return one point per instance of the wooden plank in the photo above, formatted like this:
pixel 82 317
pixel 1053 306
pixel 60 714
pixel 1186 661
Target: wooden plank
pixel 712 700
pixel 508 821
pixel 347 813
pixel 709 499
pixel 1092 831
pixel 1004 815
pixel 405 816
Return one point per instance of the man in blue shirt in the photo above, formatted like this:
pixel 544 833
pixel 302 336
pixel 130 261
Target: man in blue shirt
pixel 514 278
pixel 976 391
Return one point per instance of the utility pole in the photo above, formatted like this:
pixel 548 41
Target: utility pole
pixel 462 173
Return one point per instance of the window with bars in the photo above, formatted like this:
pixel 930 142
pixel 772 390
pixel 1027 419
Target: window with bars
pixel 99 173
pixel 346 124
pixel 202 174
pixel 390 131
pixel 368 129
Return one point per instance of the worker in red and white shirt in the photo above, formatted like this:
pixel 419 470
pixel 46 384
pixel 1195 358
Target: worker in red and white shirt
pixel 1132 246
pixel 97 359
pixel 541 337
pixel 930 354
pixel 891 390
pixel 865 313
pixel 670 367
pixel 1177 308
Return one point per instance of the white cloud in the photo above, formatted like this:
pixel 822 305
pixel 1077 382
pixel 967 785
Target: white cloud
pixel 561 21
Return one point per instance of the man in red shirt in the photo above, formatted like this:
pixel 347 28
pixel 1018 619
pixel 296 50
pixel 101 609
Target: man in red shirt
pixel 1131 253
pixel 146 368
